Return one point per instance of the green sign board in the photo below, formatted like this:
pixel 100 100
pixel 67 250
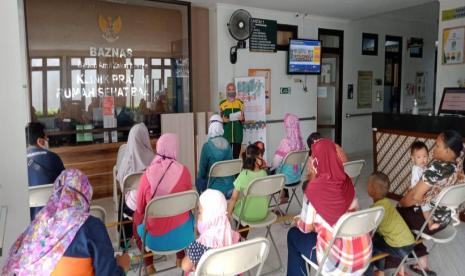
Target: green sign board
pixel 285 90
pixel 453 13
pixel 263 36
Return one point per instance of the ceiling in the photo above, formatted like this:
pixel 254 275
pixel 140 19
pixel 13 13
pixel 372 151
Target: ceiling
pixel 346 9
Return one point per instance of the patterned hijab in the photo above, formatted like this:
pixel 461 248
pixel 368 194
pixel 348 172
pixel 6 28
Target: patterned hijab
pixel 217 230
pixel 293 140
pixel 139 152
pixel 39 248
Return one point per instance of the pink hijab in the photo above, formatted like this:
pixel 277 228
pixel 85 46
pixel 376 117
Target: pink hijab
pixel 217 231
pixel 293 140
pixel 164 172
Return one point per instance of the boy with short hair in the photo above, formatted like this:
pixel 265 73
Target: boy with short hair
pixel 393 236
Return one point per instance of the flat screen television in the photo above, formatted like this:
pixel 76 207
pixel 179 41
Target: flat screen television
pixel 304 57
pixel 452 101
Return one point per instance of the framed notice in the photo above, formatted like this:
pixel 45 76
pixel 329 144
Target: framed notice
pixel 453 45
pixel 263 36
pixel 364 89
pixel 267 74
pixel 284 33
pixel 369 44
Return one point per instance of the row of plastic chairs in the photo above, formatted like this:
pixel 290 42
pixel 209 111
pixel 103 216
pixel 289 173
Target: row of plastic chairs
pixel 39 196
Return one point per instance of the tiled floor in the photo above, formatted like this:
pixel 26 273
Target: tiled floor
pixel 446 259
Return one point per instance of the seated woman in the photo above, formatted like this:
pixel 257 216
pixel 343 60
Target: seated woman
pixel 327 197
pixel 163 177
pixel 445 170
pixel 138 156
pixel 292 142
pixel 215 149
pixel 213 227
pixel 312 138
pixel 64 239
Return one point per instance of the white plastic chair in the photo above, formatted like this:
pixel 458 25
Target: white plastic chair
pixel 262 187
pixel 234 259
pixel 295 158
pixel 98 212
pixel 130 182
pixel 121 152
pixel 349 225
pixel 450 197
pixel 168 206
pixel 224 169
pixel 39 195
pixel 353 169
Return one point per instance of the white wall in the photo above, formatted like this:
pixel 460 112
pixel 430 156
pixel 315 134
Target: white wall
pixel 356 131
pixel 448 75
pixel 13 114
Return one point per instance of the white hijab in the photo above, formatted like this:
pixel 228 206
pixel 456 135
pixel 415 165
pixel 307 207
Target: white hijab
pixel 215 127
pixel 217 229
pixel 139 153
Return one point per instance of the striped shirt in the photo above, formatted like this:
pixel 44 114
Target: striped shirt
pixel 348 256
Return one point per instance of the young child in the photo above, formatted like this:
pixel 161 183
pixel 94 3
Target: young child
pixel 419 155
pixel 213 227
pixel 256 208
pixel 393 236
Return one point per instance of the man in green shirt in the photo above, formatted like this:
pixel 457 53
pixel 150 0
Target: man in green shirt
pixel 232 111
pixel 393 236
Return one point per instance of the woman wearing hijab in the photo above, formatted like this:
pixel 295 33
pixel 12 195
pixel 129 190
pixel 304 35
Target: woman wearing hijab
pixel 64 239
pixel 327 197
pixel 164 176
pixel 213 227
pixel 292 142
pixel 215 149
pixel 138 156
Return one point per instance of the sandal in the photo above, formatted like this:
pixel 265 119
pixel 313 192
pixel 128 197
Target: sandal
pixel 417 270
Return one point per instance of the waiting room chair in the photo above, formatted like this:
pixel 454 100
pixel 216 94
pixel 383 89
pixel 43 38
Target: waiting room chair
pixel 234 259
pixel 349 225
pixel 119 157
pixel 224 169
pixel 295 158
pixel 98 212
pixel 354 169
pixel 264 186
pixel 130 182
pixel 450 197
pixel 168 206
pixel 39 195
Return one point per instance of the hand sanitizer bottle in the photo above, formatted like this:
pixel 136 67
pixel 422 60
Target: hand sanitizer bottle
pixel 415 107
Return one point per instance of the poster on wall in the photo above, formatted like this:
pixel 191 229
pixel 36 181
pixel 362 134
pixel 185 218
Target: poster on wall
pixel 251 90
pixel 453 45
pixel 364 89
pixel 267 74
pixel 420 88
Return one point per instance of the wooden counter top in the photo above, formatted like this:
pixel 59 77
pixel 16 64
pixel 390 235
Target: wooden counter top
pixel 96 161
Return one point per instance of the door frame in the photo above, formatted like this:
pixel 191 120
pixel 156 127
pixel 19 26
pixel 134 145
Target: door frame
pixel 399 55
pixel 339 95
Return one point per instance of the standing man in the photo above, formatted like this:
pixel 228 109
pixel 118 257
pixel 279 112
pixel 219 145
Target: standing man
pixel 232 111
pixel 43 166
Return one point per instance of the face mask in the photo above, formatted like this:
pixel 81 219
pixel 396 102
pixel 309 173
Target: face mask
pixel 231 95
pixel 201 226
pixel 45 145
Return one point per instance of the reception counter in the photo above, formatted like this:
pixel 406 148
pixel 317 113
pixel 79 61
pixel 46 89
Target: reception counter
pixel 96 161
pixel 392 136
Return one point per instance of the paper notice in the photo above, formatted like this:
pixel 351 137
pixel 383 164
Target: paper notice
pixel 235 116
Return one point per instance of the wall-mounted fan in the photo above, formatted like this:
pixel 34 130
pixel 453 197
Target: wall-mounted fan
pixel 239 27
